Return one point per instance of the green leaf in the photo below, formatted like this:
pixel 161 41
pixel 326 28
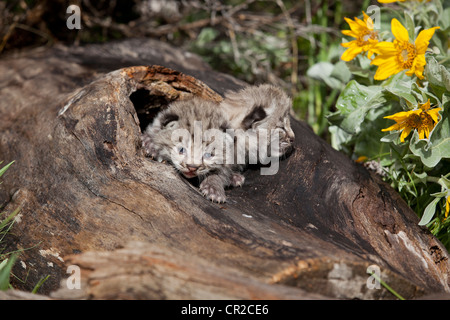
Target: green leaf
pixel 445 19
pixel 444 182
pixel 420 177
pixel 438 146
pixel 360 67
pixel 322 71
pixel 39 284
pixel 391 137
pixel 5 270
pixel 206 35
pixel 353 104
pixel 410 26
pixel 403 92
pixel 341 72
pixel 368 141
pixel 439 194
pixel 428 214
pixel 339 138
pixel 3 170
pixel 438 76
pixel 8 219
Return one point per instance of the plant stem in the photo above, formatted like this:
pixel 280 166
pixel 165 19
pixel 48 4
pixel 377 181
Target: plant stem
pixel 384 284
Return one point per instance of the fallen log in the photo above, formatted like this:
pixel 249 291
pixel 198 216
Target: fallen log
pixel 72 117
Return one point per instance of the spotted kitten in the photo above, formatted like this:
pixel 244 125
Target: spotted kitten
pixel 261 107
pixel 191 134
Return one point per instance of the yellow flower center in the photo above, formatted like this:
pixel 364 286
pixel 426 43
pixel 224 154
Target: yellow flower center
pixel 426 119
pixel 414 121
pixel 406 53
pixel 364 38
pixel 417 121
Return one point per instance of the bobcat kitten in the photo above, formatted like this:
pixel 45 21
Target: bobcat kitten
pixel 191 134
pixel 261 107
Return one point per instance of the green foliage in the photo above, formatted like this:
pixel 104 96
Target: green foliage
pixel 5 270
pixel 250 57
pixel 341 100
pixel 7 260
pixel 417 168
pixel 6 263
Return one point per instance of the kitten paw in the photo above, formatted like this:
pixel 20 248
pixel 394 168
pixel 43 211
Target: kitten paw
pixel 149 146
pixel 237 179
pixel 212 191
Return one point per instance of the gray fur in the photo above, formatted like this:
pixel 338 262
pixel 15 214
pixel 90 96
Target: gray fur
pixel 261 107
pixel 214 172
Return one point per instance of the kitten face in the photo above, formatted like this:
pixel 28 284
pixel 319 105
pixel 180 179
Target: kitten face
pixel 192 136
pixel 277 129
pixel 195 158
pixel 262 107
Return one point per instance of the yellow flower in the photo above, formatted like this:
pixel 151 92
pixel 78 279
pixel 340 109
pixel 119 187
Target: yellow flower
pixel 361 159
pixel 365 37
pixel 423 119
pixel 447 207
pixel 401 54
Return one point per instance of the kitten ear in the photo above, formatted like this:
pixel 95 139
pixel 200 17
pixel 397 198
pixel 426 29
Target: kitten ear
pixel 257 114
pixel 224 127
pixel 167 118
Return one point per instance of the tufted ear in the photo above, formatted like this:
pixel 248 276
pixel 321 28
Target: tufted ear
pixel 257 114
pixel 224 127
pixel 168 118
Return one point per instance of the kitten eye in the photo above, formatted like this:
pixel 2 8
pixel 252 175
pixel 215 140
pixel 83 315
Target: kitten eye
pixel 207 155
pixel 281 131
pixel 181 150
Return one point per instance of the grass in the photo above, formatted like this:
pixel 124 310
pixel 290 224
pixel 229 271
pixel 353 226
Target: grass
pixel 388 288
pixel 5 271
pixel 7 260
pixel 6 264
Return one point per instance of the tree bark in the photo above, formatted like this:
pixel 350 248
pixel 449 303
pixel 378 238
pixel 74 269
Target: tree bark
pixel 71 119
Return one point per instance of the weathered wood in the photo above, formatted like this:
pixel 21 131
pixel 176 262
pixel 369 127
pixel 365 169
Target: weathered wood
pixel 147 271
pixel 12 294
pixel 83 184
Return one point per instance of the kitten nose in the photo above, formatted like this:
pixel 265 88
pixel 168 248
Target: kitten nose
pixel 192 167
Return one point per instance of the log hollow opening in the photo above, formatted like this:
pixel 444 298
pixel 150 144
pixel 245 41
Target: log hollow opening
pixel 147 106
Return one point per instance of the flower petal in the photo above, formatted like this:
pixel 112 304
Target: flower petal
pixel 349 33
pixel 425 106
pixel 405 133
pixel 394 127
pixel 417 66
pixel 361 23
pixel 354 26
pixel 399 116
pixel 349 44
pixel 385 48
pixel 434 114
pixel 422 132
pixel 386 68
pixel 399 31
pixel 351 53
pixel 423 39
pixel 368 20
pixel 447 206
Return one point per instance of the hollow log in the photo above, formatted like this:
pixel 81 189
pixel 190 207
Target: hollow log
pixel 71 119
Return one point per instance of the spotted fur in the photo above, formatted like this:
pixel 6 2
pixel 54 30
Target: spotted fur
pixel 172 135
pixel 261 107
